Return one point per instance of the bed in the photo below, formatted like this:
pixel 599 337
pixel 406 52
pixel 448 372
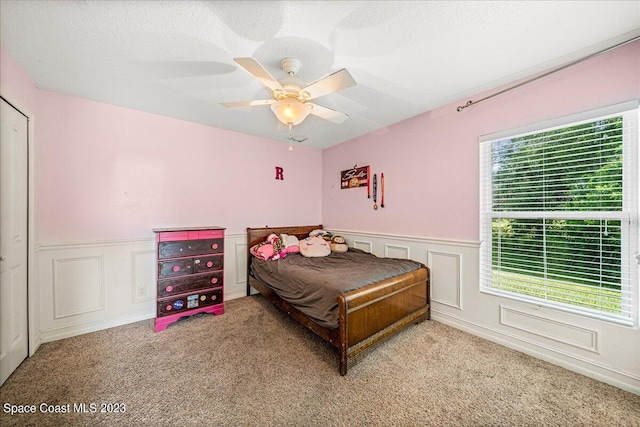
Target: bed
pixel 366 315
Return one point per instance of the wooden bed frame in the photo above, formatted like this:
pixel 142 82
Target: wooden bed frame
pixel 366 315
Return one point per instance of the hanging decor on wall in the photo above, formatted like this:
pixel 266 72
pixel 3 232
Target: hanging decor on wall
pixel 375 192
pixel 382 190
pixel 361 176
pixel 355 177
pixel 279 173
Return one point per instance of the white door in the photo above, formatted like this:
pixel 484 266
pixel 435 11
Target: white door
pixel 13 239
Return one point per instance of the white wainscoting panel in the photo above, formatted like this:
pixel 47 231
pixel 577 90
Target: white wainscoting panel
pixel 362 245
pixel 71 275
pixel 85 287
pixel 561 332
pixel 235 265
pixel 395 251
pixel 446 283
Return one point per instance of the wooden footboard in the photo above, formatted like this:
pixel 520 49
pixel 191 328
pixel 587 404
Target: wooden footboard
pixel 372 313
pixel 366 315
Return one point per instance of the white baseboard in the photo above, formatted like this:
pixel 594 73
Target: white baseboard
pixel 235 294
pixel 35 342
pixel 98 325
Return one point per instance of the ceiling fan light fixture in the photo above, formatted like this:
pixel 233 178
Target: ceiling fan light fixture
pixel 290 111
pixel 290 102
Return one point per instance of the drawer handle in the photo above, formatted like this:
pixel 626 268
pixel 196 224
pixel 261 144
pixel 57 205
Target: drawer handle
pixel 209 264
pixel 169 288
pixel 214 280
pixel 176 268
pixel 214 246
pixel 169 307
pixel 213 297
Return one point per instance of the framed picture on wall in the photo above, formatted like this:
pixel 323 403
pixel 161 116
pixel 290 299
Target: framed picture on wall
pixel 354 177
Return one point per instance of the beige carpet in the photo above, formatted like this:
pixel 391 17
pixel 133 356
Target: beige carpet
pixel 253 366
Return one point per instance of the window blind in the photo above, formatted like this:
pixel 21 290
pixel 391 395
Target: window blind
pixel 559 215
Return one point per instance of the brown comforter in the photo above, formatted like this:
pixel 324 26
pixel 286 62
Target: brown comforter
pixel 312 284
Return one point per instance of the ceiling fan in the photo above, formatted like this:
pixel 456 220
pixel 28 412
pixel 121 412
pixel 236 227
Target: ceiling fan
pixel 290 101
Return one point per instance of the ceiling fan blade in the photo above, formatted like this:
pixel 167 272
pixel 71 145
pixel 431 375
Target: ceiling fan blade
pixel 327 113
pixel 183 69
pixel 259 72
pixel 339 80
pixel 247 103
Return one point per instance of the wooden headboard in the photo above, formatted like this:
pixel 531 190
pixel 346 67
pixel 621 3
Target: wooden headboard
pixel 257 235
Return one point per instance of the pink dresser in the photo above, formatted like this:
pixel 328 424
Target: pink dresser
pixel 190 273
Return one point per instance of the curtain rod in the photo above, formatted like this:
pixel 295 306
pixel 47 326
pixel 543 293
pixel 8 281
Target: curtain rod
pixel 554 70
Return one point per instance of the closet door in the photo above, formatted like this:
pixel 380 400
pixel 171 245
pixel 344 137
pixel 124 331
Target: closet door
pixel 13 239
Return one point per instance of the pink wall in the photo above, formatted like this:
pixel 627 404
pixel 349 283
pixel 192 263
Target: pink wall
pixel 431 162
pixel 110 173
pixel 106 172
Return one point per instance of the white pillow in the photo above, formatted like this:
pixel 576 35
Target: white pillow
pixel 314 247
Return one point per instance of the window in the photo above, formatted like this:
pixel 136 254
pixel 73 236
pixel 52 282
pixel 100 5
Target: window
pixel 559 214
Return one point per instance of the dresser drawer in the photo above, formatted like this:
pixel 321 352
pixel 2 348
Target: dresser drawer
pixel 182 285
pixel 166 236
pixel 203 264
pixel 189 302
pixel 175 267
pixel 175 249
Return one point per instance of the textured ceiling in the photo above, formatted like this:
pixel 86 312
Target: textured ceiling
pixel 175 58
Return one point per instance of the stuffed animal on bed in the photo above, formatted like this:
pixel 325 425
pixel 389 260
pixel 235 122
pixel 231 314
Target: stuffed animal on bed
pixel 339 244
pixel 272 248
pixel 326 235
pixel 290 242
pixel 314 247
